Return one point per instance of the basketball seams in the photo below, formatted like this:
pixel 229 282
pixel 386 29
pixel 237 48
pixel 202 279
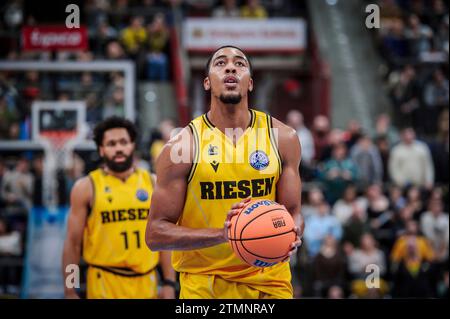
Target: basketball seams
pixel 238 244
pixel 235 224
pixel 263 237
pixel 252 220
pixel 264 257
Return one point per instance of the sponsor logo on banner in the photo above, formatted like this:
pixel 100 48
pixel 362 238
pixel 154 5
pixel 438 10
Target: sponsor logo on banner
pixel 54 38
pixel 272 35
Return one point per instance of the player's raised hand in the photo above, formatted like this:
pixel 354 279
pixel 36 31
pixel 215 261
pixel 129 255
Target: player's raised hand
pixel 235 209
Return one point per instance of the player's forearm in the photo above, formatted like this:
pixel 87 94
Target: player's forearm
pixel 164 235
pixel 71 256
pixel 166 265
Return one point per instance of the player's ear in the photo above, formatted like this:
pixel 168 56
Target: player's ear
pixel 207 84
pixel 250 85
pixel 100 151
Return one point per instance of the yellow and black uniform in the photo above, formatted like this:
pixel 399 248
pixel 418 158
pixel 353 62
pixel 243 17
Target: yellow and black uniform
pixel 120 263
pixel 221 175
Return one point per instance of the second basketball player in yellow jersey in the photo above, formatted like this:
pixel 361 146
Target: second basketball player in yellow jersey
pixel 233 153
pixel 109 210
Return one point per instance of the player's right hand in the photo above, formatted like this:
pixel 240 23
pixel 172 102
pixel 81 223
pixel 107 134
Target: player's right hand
pixel 235 209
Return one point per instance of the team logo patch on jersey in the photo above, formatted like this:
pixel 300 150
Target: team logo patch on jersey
pixel 212 150
pixel 259 160
pixel 142 195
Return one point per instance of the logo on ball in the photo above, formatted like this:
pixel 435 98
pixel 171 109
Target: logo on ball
pixel 259 160
pixel 142 195
pixel 278 222
pixel 257 204
pixel 259 263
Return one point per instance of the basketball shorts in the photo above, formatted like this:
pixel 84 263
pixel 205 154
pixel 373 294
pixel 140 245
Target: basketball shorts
pixel 200 286
pixel 102 284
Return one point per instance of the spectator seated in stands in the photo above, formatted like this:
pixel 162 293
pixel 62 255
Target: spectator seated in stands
pixel 344 207
pixel 158 40
pixel 114 51
pixel 104 34
pixel 338 172
pixel 115 105
pixel 315 198
pixel 334 137
pixel 321 132
pixel 10 241
pixel 353 133
pixel 360 264
pixel 384 149
pixel 17 187
pixel 436 98
pixel 396 199
pixel 405 95
pixel 328 267
pixel 319 227
pixel 295 120
pixel 394 40
pixel 381 218
pixel 410 162
pixel 411 259
pixel 435 226
pixel 165 130
pixel 356 226
pixel 415 201
pixel 8 111
pixel 384 127
pixel 335 292
pixel 419 36
pixel 368 160
pixel 228 9
pixel 253 9
pixel 134 37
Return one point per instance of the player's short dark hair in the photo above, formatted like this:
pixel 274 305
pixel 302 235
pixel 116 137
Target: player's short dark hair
pixel 208 64
pixel 113 122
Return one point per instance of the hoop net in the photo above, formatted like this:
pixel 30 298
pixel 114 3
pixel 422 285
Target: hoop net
pixel 58 152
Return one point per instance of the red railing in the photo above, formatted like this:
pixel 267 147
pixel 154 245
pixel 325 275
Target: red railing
pixel 321 80
pixel 178 78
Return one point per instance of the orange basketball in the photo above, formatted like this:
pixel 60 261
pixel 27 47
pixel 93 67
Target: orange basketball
pixel 262 232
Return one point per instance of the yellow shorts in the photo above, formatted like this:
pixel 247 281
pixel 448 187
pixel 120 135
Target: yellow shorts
pixel 198 286
pixel 103 284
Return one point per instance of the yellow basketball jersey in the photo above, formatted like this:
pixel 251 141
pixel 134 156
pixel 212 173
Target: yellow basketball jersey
pixel 114 236
pixel 223 174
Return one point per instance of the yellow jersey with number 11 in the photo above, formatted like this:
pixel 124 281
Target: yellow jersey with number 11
pixel 114 235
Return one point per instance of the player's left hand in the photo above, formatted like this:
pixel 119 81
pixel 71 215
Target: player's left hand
pixel 297 243
pixel 167 292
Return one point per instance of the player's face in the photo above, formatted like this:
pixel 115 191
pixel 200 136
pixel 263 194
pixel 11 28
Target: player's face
pixel 229 76
pixel 117 149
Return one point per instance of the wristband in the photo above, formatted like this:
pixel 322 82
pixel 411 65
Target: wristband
pixel 168 282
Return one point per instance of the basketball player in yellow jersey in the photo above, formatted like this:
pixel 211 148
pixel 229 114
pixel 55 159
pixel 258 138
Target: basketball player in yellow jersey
pixel 108 214
pixel 196 195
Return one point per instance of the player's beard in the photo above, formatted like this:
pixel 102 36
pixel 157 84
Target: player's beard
pixel 231 98
pixel 121 166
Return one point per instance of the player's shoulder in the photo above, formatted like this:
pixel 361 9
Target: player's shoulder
pixel 285 132
pixel 83 188
pixel 178 152
pixel 181 139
